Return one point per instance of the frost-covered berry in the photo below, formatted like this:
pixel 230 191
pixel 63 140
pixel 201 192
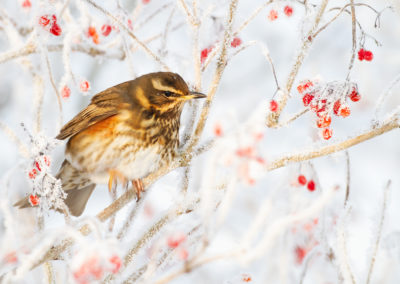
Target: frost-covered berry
pixel 336 107
pixel 236 42
pixel 288 10
pixel 44 20
pixel 106 30
pixel 65 92
pixel 145 1
pixel 307 98
pixel 84 86
pixel 327 133
pixel 304 85
pixel 273 15
pixel 33 200
pixel 32 174
pixel 175 240
pixel 324 121
pixel 354 95
pixel 273 106
pixel 311 185
pixel 344 111
pixel 116 261
pixel 302 180
pixel 55 29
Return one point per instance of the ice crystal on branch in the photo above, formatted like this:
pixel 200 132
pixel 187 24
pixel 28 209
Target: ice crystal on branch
pixel 46 189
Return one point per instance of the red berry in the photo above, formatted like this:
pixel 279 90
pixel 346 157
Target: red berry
pixel 327 133
pixel 27 4
pixel 345 111
pixel 307 98
pixel 175 240
pixel 368 55
pixel 183 254
pixel 44 21
pixel 55 29
pixel 288 10
pixel 336 107
pixel 38 166
pixel 46 161
pixel 311 185
pixel 355 96
pixel 321 108
pixel 300 254
pixel 91 31
pixel 65 92
pixel 302 180
pixel 218 130
pixel 117 263
pixel 304 85
pixel 324 121
pixel 246 278
pixel 145 1
pixel 106 30
pixel 236 42
pixel 32 174
pixel 273 106
pixel 204 54
pixel 33 199
pixel 130 25
pixel 361 54
pixel 273 15
pixel 84 86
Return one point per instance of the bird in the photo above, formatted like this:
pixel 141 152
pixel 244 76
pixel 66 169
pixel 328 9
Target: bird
pixel 126 132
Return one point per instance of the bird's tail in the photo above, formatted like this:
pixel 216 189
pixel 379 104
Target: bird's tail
pixel 77 187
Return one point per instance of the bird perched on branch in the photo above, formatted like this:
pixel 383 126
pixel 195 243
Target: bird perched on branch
pixel 124 134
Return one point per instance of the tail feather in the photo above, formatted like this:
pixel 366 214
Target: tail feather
pixel 77 186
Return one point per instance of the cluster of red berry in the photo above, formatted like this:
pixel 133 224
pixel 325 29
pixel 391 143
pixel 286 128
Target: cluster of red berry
pixel 33 173
pixel 92 33
pixel 322 107
pixel 50 24
pixel 303 181
pixel 365 55
pixel 273 14
pixel 93 269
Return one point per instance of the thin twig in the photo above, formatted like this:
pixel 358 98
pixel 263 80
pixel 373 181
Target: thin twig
pixel 379 233
pixel 347 178
pixel 354 38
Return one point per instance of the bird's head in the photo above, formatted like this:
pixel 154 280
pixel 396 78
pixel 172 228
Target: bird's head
pixel 163 91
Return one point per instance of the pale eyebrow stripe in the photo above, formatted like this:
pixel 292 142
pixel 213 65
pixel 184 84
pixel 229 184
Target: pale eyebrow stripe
pixel 157 85
pixel 142 98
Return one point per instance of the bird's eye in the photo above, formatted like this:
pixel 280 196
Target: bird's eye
pixel 168 94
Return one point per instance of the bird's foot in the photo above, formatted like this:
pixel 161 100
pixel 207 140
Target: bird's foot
pixel 116 176
pixel 138 184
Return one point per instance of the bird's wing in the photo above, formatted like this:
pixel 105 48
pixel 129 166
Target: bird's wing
pixel 102 106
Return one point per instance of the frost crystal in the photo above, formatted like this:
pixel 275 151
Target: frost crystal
pixel 46 187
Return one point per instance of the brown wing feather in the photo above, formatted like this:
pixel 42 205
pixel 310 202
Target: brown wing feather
pixel 102 106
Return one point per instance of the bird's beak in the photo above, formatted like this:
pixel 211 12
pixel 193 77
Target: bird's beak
pixel 195 95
